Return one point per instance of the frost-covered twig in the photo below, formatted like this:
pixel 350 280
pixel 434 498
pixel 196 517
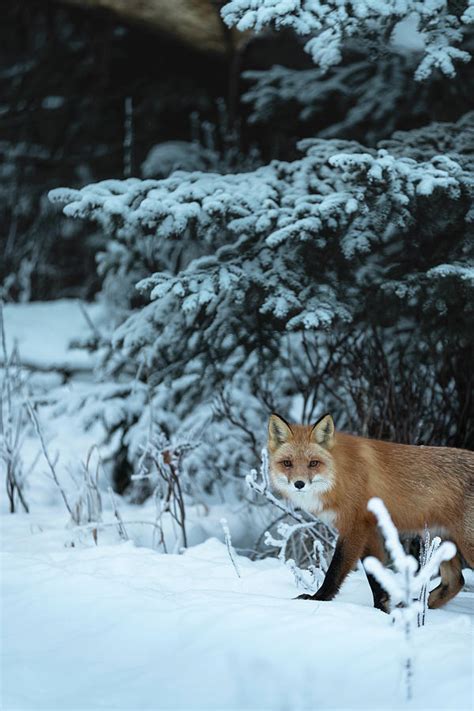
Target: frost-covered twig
pixel 93 528
pixel 87 508
pixel 286 531
pixel 161 461
pixel 228 542
pixel 309 579
pixel 11 428
pixel 427 550
pixel 120 524
pixel 51 465
pixel 405 583
pixel 319 556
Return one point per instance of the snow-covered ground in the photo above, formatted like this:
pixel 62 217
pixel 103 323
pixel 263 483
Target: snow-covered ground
pixel 43 331
pixel 118 625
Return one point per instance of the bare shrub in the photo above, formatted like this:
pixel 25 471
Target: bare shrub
pixel 13 423
pixel 303 540
pixel 403 392
pixel 87 507
pixel 406 583
pixel 161 465
pixel 51 464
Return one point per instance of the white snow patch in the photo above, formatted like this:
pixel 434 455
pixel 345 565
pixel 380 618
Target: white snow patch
pixel 43 331
pixel 406 36
pixel 121 627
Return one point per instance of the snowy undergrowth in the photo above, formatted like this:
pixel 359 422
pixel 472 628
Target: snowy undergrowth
pixel 90 620
pixel 117 626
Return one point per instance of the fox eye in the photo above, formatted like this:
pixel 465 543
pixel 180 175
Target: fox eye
pixel 313 463
pixel 287 463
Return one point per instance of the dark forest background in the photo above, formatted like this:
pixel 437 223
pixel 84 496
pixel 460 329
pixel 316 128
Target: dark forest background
pixel 65 76
pixel 86 96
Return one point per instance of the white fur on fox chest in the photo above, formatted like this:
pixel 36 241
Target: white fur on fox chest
pixel 328 516
pixel 310 499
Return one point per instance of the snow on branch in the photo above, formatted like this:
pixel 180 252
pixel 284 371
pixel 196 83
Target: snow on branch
pixel 230 549
pixel 406 584
pixel 360 88
pixel 51 464
pixel 310 579
pixel 337 203
pixel 250 241
pixel 428 549
pixel 328 24
pixel 161 463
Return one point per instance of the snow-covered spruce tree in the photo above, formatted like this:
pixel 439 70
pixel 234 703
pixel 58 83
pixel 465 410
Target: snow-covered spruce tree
pixel 342 279
pixel 284 248
pixel 328 24
pixel 366 97
pixel 341 239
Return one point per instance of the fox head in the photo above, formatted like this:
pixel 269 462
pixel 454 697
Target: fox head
pixel 301 465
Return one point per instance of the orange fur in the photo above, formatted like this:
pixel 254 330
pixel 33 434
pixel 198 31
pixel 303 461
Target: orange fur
pixel 419 485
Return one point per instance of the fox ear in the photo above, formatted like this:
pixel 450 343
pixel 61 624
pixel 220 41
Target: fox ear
pixel 323 431
pixel 279 432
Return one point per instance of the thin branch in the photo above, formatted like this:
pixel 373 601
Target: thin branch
pixel 51 465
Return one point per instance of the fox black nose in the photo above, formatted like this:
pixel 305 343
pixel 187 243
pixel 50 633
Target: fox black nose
pixel 299 484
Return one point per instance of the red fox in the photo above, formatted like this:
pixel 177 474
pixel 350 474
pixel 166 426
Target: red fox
pixel 333 475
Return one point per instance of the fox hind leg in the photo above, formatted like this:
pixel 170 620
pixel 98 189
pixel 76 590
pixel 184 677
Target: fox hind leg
pixel 451 582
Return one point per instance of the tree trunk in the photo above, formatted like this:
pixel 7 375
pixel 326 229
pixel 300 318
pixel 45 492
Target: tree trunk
pixel 195 22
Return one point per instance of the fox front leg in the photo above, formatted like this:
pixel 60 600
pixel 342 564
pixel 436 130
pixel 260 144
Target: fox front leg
pixel 374 547
pixel 348 550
